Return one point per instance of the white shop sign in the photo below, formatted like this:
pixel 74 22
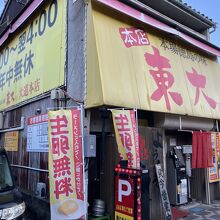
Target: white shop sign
pixel 37 133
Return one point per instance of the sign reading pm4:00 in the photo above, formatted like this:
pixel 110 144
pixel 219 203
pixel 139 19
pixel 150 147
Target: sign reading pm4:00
pixel 33 61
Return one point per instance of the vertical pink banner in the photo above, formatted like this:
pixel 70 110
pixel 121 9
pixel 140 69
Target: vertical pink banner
pixel 127 136
pixel 77 148
pixel 66 164
pixel 136 140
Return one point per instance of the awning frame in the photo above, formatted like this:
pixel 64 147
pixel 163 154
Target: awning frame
pixel 131 12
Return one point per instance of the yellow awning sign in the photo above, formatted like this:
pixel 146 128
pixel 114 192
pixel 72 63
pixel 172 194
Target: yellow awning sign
pixel 130 65
pixel 163 78
pixel 32 61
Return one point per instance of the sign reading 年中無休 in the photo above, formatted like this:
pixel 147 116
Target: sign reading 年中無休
pixel 33 61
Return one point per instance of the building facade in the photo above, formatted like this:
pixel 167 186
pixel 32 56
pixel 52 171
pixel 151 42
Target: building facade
pixel 106 54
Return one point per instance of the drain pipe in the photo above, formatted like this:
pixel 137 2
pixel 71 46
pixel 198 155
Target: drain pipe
pixel 214 28
pixel 21 127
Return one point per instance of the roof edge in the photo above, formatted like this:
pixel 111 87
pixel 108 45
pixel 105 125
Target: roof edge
pixel 134 13
pixel 193 12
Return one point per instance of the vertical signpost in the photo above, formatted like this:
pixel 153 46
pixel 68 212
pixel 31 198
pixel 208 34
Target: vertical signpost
pixel 131 194
pixel 214 171
pixel 163 193
pixel 128 180
pixel 124 198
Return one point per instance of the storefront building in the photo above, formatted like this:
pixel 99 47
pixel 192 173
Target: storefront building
pixel 108 54
pixel 136 61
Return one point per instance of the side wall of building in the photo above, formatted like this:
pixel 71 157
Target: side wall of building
pixel 27 178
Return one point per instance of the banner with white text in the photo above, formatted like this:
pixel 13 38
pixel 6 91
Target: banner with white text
pixel 67 197
pixel 127 136
pixel 214 171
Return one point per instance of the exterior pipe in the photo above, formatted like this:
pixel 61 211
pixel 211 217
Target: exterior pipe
pixel 15 128
pixel 30 168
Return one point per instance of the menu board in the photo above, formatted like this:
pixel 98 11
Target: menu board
pixel 11 141
pixel 37 133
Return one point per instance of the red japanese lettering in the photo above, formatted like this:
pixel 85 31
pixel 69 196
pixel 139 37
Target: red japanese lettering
pixel 60 145
pixel 144 150
pixel 164 79
pixel 130 159
pixel 199 82
pixel 31 87
pixel 37 85
pixel 126 140
pixel 10 98
pixel 59 125
pixel 63 187
pixel 124 130
pixel 122 123
pixel 133 37
pixel 61 167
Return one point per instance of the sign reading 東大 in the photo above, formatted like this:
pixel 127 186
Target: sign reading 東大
pixel 37 133
pixel 140 67
pixel 11 141
pixel 33 61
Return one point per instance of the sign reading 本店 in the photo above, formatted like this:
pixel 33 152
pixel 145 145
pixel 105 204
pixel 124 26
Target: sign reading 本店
pixel 214 172
pixel 125 126
pixel 140 67
pixel 33 61
pixel 67 197
pixel 37 133
pixel 11 141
